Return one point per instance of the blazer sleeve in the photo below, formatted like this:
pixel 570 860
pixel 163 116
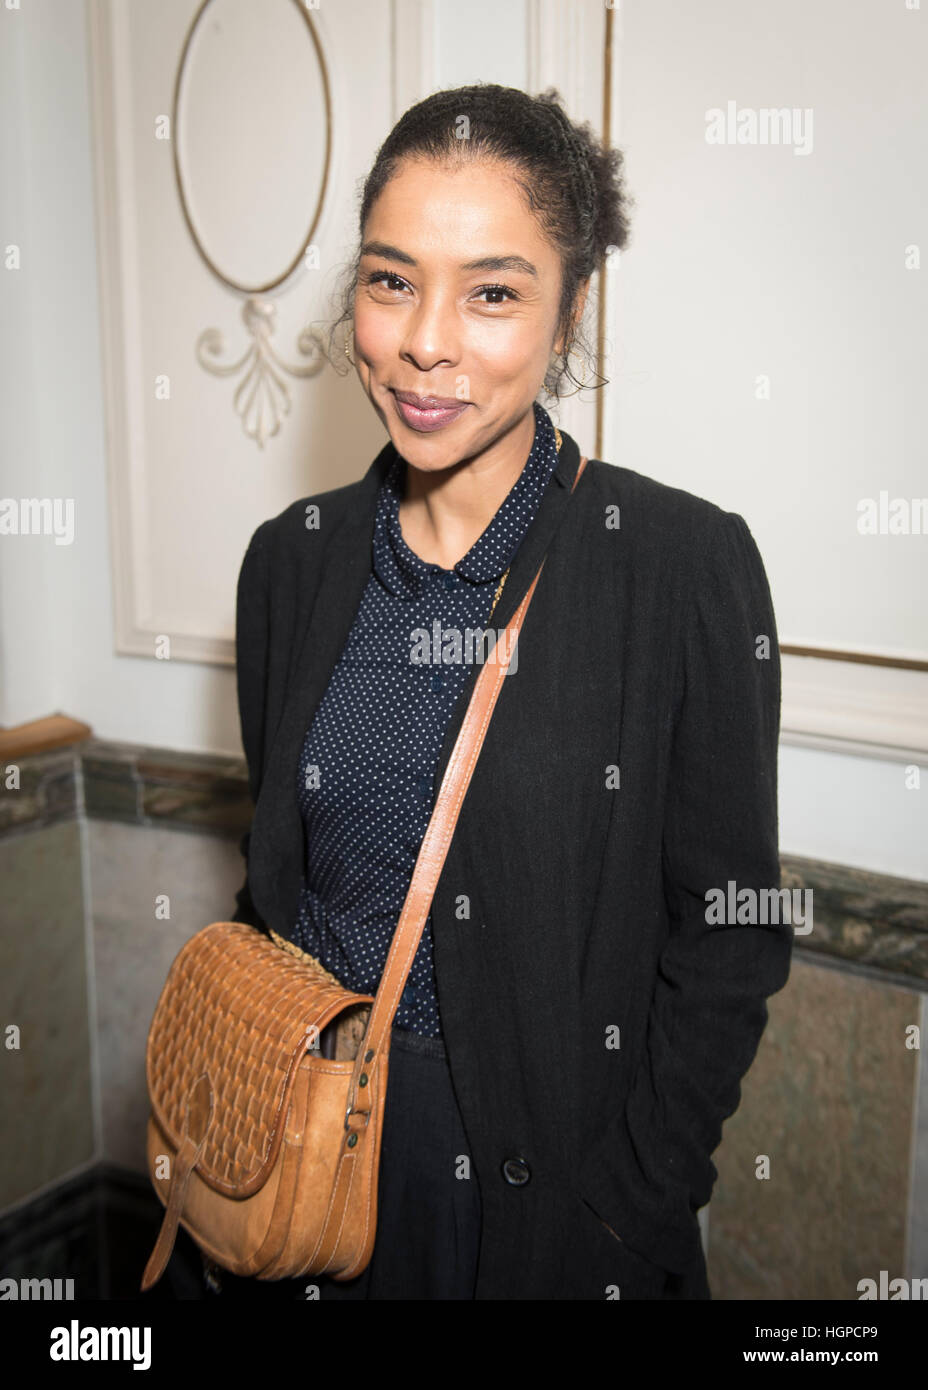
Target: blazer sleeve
pixel 251 661
pixel 708 1008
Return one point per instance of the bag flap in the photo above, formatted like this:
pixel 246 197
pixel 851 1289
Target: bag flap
pixel 238 1008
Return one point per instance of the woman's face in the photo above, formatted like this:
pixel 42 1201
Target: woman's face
pixel 456 309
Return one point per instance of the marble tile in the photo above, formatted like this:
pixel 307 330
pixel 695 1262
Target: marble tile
pixel 46 1109
pixel 47 790
pixel 871 919
pixel 203 791
pixel 830 1100
pixel 130 868
pixel 111 789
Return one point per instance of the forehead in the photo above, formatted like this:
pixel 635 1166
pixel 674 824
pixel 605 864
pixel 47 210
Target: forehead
pixel 460 210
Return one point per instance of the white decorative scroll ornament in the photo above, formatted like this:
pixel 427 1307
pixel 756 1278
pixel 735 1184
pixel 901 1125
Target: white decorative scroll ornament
pixel 262 397
pixel 252 81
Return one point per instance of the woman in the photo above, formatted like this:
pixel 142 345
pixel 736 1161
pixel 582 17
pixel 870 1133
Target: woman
pixel 574 1031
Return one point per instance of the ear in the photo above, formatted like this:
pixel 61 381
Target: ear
pixel 575 318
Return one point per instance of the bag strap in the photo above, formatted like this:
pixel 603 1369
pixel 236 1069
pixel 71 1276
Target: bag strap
pixel 430 861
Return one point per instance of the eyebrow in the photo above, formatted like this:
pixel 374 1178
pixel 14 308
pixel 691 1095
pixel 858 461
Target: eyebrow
pixel 393 253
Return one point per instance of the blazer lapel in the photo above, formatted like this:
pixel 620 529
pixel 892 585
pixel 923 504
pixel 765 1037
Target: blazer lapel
pixel 277 837
pixel 535 544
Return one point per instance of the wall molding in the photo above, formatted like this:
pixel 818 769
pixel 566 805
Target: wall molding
pixel 852 707
pixel 143 335
pixel 564 46
pixel 413 54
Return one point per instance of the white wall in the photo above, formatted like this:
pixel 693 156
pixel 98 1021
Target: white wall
pixel 56 609
pixel 56 635
pixel 752 261
pixel 771 341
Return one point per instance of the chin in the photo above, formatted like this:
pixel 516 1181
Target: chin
pixel 430 452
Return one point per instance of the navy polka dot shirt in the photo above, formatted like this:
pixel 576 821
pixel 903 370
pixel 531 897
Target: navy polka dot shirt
pixel 369 758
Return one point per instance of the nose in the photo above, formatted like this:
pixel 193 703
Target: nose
pixel 431 338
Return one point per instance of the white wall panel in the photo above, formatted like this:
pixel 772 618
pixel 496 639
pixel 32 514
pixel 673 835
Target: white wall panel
pixel 767 323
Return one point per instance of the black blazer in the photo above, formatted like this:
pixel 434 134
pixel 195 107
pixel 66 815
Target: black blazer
pixel 597 1026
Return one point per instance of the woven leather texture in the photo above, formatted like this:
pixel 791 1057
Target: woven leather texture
pixel 239 1008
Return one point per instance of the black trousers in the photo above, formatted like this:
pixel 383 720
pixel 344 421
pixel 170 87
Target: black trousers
pixel 429 1212
pixel 429 1209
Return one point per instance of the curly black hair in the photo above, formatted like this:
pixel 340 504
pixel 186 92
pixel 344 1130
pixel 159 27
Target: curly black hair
pixel 573 183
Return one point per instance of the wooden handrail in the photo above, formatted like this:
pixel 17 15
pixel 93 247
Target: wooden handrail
pixel 40 735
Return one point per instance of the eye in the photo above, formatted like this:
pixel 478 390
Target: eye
pixel 388 278
pixel 499 292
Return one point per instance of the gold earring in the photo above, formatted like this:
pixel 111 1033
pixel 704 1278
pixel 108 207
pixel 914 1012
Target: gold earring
pixel 581 385
pixel 552 366
pixel 563 395
pixel 347 353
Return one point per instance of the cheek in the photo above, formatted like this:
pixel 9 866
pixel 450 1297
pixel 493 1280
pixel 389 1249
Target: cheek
pixel 376 334
pixel 509 349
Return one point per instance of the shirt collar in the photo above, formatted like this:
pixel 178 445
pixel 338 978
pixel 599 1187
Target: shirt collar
pixel 404 573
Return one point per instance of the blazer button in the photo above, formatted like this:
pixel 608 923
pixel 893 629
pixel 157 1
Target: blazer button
pixel 516 1171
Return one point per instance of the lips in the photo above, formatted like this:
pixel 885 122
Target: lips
pixel 427 413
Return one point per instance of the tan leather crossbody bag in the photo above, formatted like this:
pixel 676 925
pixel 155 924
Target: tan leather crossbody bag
pixel 267 1078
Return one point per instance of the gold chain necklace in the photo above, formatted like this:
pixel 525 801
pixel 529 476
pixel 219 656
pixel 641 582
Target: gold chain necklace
pixel 558 441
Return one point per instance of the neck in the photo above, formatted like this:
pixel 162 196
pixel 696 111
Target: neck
pixel 444 511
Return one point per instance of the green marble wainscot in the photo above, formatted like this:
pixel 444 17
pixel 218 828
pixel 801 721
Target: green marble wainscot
pixel 864 918
pixel 151 786
pixel 47 790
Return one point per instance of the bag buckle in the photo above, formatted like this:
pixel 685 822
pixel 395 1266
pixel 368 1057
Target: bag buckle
pixel 351 1111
